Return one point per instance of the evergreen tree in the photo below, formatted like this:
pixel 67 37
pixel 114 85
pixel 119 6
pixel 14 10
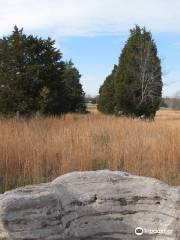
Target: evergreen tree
pixel 31 76
pixel 75 93
pixel 138 78
pixel 106 102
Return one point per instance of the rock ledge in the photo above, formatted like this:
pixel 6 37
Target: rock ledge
pixel 92 205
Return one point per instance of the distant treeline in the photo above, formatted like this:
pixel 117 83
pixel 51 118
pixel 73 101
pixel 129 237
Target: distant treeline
pixel 173 102
pixel 91 99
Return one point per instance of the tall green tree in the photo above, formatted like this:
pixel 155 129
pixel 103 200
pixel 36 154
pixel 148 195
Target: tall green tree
pixel 106 102
pixel 31 75
pixel 138 78
pixel 75 93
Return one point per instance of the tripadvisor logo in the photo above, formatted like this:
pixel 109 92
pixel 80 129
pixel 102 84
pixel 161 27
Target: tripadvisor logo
pixel 139 231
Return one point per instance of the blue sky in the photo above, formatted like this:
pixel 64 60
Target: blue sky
pixel 94 57
pixel 93 32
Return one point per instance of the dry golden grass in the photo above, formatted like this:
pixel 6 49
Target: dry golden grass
pixel 39 150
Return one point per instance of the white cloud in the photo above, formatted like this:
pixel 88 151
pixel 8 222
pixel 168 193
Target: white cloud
pixel 89 17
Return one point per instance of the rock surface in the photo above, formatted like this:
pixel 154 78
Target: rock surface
pixel 91 205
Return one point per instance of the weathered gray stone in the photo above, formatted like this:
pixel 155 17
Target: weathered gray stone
pixel 91 205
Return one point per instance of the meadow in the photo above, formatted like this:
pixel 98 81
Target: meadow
pixel 40 149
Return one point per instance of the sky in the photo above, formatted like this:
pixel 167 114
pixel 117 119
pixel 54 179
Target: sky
pixel 93 32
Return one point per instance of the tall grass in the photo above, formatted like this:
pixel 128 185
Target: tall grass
pixel 39 150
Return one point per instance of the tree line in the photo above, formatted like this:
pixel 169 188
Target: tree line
pixel 35 78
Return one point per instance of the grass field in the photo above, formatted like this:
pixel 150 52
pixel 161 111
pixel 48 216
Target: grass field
pixel 41 149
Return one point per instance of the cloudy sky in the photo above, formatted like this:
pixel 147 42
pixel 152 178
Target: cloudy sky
pixel 93 32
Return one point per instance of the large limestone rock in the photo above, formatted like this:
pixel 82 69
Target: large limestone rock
pixel 92 205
